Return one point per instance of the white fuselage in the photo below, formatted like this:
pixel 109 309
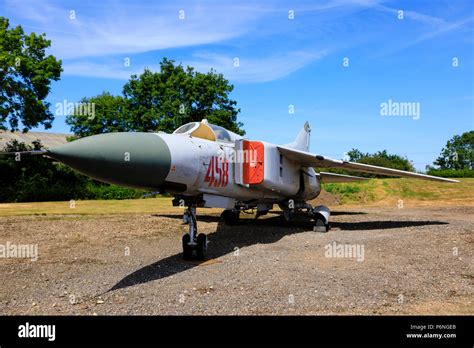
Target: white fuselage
pixel 209 167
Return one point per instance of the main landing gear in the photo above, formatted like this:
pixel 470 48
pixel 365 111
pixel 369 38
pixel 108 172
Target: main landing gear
pixel 193 244
pixel 231 217
pixel 319 214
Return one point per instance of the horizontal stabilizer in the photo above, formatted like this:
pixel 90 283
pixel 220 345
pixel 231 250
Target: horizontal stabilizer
pixel 308 159
pixel 327 178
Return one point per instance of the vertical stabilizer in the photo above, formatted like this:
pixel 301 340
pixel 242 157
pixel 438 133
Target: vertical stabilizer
pixel 302 140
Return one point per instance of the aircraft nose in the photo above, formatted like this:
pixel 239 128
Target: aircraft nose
pixel 138 160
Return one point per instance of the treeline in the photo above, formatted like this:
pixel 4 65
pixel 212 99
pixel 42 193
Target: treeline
pixel 379 158
pixel 452 173
pixel 455 161
pixel 32 178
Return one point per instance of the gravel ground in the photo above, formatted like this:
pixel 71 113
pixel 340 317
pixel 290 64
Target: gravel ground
pixel 414 261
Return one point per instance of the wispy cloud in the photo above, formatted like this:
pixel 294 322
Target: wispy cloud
pixel 440 29
pixel 248 70
pixel 254 69
pixel 412 15
pixel 95 42
pixel 108 29
pixel 92 39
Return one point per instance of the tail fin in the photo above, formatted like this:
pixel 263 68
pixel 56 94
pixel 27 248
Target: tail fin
pixel 302 140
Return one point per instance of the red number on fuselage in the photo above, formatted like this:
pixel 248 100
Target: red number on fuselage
pixel 217 174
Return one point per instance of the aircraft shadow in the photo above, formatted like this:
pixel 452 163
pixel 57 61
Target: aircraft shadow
pixel 335 213
pixel 204 218
pixel 377 225
pixel 227 239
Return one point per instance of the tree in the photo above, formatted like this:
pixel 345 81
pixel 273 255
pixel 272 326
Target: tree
pixel 25 76
pixel 162 101
pixel 458 153
pixel 355 155
pixel 379 158
pixel 382 159
pixel 30 178
pixel 109 115
pixel 33 178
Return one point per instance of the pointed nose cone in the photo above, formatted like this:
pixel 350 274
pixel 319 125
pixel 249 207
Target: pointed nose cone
pixel 138 160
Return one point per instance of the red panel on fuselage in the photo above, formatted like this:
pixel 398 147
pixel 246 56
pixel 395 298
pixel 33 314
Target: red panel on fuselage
pixel 253 166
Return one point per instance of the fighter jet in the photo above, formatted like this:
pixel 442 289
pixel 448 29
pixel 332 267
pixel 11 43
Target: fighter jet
pixel 204 165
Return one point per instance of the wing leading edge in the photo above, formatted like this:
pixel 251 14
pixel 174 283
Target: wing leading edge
pixel 308 159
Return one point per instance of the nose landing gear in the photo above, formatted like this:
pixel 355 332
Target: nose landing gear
pixel 193 244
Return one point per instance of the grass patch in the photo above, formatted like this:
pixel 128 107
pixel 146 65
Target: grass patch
pixel 411 190
pixel 374 191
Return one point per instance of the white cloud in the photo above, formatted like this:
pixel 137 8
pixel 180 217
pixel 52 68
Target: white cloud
pixel 253 69
pixel 413 15
pixel 441 29
pixel 102 34
pixel 86 68
pixel 107 29
pixel 250 69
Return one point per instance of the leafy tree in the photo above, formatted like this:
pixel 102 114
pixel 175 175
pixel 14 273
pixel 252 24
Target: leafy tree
pixel 30 178
pixel 458 153
pixel 379 158
pixel 355 155
pixel 382 159
pixel 33 178
pixel 110 114
pixel 162 101
pixel 25 76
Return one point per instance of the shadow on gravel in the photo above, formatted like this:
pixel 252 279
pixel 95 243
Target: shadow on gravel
pixel 382 225
pixel 335 213
pixel 227 239
pixel 203 218
pixel 224 241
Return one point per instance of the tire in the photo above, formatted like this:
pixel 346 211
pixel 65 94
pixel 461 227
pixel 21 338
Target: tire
pixel 321 226
pixel 201 249
pixel 231 217
pixel 187 249
pixel 289 216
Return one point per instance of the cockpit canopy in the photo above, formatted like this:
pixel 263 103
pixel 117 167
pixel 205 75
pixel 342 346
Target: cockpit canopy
pixel 206 130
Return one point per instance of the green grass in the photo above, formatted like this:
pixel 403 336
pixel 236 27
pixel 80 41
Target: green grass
pixel 92 207
pixel 374 191
pixel 411 190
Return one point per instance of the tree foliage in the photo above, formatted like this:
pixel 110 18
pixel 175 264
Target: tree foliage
pixel 110 115
pixel 33 178
pixel 382 159
pixel 458 153
pixel 26 73
pixel 161 101
pixel 379 158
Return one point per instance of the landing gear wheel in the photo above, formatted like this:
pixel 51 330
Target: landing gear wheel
pixel 289 216
pixel 321 226
pixel 187 249
pixel 201 247
pixel 231 217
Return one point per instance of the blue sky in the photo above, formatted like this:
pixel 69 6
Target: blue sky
pixel 289 53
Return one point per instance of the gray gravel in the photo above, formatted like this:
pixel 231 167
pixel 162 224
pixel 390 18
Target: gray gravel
pixel 416 261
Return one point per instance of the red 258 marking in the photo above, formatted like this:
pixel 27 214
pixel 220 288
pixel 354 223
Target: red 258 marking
pixel 217 172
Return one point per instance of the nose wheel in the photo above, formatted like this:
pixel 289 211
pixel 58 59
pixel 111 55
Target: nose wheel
pixel 194 245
